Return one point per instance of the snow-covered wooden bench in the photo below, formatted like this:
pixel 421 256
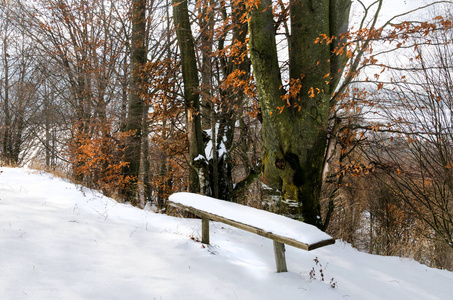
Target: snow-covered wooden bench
pixel 280 229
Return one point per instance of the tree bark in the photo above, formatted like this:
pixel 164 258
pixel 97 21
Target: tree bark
pixel 6 130
pixel 198 170
pixel 134 121
pixel 231 106
pixel 294 139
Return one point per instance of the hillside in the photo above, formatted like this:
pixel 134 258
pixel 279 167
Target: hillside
pixel 61 241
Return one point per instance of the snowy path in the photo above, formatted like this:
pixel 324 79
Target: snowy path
pixel 60 242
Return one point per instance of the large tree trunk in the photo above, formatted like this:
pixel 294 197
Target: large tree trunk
pixel 294 140
pixel 134 121
pixel 198 181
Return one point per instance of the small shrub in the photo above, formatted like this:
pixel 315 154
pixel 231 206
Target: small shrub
pixel 313 274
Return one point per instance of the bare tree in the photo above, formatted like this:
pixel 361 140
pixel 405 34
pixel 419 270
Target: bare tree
pixel 414 148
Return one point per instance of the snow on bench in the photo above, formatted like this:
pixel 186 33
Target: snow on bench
pixel 280 229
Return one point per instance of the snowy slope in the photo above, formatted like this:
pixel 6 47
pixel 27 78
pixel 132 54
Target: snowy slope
pixel 59 241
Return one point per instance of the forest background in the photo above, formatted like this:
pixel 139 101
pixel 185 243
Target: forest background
pixel 284 106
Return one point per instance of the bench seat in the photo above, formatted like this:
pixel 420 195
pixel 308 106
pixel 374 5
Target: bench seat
pixel 280 229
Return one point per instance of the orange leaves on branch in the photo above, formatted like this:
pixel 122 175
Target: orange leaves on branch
pixel 169 146
pixel 293 90
pixel 292 94
pixel 294 87
pixel 236 82
pixel 237 51
pixel 98 156
pixel 312 92
pixel 445 23
pixel 161 77
pixel 357 169
pixel 370 60
pixel 375 127
pixel 239 82
pixel 404 30
pixel 323 38
pixel 280 108
pixel 250 4
pixel 349 54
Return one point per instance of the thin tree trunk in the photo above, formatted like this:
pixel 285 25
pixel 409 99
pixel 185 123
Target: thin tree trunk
pixel 47 127
pixel 231 106
pixel 198 181
pixel 136 104
pixel 6 143
pixel 144 182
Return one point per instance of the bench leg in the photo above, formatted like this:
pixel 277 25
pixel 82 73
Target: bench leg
pixel 280 260
pixel 205 230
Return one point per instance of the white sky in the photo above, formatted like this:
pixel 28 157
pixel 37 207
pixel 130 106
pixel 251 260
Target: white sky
pixel 391 8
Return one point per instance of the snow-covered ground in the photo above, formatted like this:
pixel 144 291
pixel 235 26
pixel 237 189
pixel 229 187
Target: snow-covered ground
pixel 61 241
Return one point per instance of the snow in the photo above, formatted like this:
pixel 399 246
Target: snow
pixel 264 220
pixel 199 157
pixel 62 241
pixel 209 148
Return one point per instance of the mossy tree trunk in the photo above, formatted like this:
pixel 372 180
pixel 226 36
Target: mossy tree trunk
pixel 294 139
